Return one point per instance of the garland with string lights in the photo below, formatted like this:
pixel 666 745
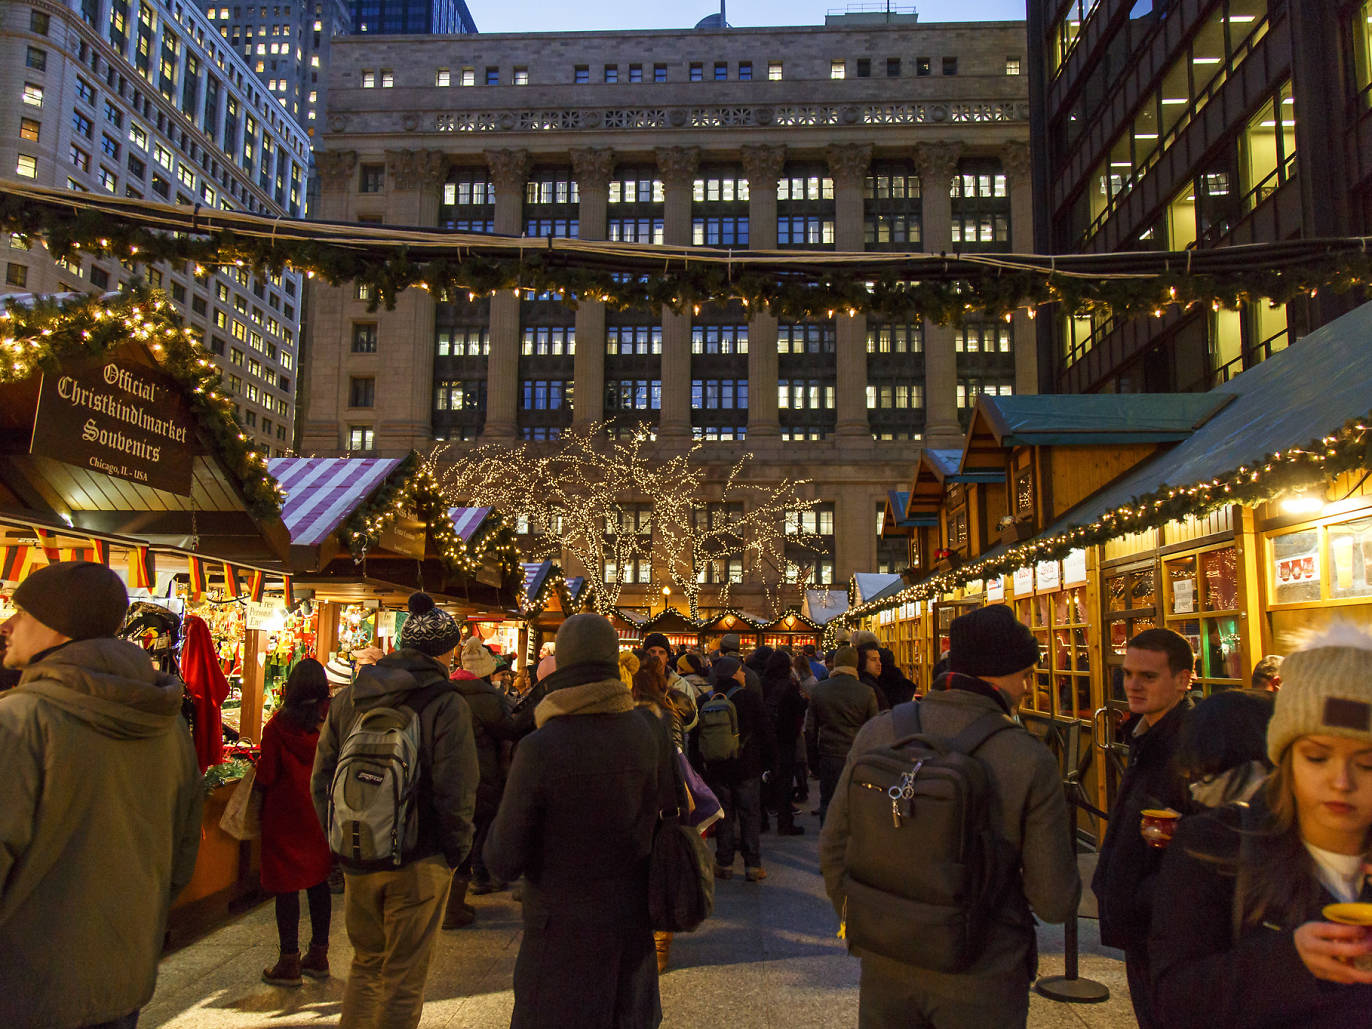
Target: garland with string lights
pixel 943 289
pixel 412 488
pixel 1295 469
pixel 40 334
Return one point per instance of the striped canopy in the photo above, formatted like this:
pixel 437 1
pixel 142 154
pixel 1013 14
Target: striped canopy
pixel 323 491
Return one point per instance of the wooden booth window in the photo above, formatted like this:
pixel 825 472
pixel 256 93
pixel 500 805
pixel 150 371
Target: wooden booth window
pixel 1060 621
pixel 1202 594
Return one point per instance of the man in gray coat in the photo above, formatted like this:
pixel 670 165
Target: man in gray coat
pixel 839 706
pixel 993 658
pixel 101 818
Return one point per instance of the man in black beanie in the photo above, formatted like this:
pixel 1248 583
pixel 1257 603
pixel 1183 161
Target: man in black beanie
pixel 100 779
pixel 992 660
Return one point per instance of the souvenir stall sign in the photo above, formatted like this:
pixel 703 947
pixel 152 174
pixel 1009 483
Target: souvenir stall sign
pixel 1074 568
pixel 119 418
pixel 995 589
pixel 1024 581
pixel 1047 576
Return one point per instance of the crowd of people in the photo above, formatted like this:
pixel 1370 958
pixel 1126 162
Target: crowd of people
pixel 1230 875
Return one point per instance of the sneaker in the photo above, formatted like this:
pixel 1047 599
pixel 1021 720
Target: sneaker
pixel 755 873
pixel 723 872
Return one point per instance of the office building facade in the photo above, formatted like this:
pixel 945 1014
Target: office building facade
pixel 1175 124
pixel 844 137
pixel 142 99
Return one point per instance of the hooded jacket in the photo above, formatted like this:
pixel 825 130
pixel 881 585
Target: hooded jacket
pixel 98 832
pixel 449 770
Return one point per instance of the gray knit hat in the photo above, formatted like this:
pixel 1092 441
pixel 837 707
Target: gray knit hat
pixel 846 657
pixel 1326 689
pixel 80 599
pixel 729 643
pixel 429 630
pixel 587 639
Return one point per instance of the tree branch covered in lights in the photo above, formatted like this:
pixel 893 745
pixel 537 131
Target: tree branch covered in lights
pixel 39 334
pixel 793 284
pixel 610 504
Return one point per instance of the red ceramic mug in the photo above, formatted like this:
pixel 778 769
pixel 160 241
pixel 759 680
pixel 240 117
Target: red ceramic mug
pixel 1157 825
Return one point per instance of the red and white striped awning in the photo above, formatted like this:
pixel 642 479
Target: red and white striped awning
pixel 322 491
pixel 467 520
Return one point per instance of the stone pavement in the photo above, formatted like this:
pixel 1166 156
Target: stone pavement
pixel 768 958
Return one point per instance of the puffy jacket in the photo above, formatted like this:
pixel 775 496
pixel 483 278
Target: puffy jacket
pixel 449 771
pixel 99 830
pixel 839 706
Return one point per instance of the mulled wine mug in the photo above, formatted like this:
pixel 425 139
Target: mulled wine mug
pixel 1352 914
pixel 1157 826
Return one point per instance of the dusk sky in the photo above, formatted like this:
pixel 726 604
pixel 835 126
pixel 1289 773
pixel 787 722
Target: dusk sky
pixel 551 16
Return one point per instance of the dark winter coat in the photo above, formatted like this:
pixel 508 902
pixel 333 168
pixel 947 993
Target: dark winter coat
pixel 893 683
pixel 99 829
pixel 1029 811
pixel 1202 976
pixel 757 740
pixel 449 769
pixel 295 854
pixel 785 707
pixel 492 725
pixel 839 707
pixel 1127 868
pixel 577 821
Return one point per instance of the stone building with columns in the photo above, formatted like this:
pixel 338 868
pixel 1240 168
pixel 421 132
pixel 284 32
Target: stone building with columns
pixel 847 137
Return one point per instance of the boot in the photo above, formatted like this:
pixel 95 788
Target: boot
pixel 286 971
pixel 315 963
pixel 458 913
pixel 663 943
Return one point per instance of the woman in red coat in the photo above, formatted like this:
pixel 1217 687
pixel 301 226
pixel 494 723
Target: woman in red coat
pixel 295 854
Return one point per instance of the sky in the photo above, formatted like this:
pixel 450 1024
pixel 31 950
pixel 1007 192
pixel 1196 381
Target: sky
pixel 557 15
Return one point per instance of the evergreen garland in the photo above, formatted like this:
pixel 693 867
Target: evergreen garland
pixel 42 334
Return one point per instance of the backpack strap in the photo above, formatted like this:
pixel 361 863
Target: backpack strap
pixel 970 739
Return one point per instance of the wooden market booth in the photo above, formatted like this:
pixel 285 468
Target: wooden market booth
pixel 791 629
pixel 1235 518
pixel 368 532
pixel 747 627
pixel 680 630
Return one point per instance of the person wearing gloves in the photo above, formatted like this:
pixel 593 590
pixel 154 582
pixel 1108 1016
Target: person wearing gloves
pixel 101 819
pixel 1241 935
pixel 493 726
pixel 393 914
pixel 577 820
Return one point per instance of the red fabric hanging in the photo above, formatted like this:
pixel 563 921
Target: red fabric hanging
pixel 206 682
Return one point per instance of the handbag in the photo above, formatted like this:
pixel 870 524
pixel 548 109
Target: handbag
pixel 242 818
pixel 705 809
pixel 681 882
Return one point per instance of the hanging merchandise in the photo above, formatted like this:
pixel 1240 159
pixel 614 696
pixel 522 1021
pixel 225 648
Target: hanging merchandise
pixel 356 628
pixel 206 683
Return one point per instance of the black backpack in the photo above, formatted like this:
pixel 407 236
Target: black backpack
pixel 925 870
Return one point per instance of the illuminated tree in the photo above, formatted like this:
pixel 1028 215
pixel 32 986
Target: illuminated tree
pixel 618 506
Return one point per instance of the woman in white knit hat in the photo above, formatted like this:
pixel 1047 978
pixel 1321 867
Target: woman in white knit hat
pixel 1240 937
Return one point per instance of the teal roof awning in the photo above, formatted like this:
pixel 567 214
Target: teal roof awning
pixel 1099 418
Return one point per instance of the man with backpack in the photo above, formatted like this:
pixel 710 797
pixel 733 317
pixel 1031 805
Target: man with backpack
pixel 394 785
pixel 735 742
pixel 840 705
pixel 948 826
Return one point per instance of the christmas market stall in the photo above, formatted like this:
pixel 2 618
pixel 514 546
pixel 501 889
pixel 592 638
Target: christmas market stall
pixel 117 445
pixel 367 532
pixel 1236 517
pixel 791 629
pixel 680 630
pixel 748 629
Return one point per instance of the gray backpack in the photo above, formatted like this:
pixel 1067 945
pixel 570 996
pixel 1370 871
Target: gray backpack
pixel 373 799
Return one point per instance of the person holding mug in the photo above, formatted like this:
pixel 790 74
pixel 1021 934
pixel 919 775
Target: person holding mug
pixel 1239 935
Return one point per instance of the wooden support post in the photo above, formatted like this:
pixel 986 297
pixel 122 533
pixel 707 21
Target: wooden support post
pixel 326 640
pixel 1254 630
pixel 254 660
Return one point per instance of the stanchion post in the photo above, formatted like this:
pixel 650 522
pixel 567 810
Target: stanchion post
pixel 1071 988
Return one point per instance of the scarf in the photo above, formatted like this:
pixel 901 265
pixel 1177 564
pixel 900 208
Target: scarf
pixel 605 696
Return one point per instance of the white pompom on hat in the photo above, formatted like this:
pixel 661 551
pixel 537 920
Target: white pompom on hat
pixel 1326 689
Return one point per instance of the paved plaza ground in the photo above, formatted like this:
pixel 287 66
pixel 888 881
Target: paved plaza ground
pixel 768 958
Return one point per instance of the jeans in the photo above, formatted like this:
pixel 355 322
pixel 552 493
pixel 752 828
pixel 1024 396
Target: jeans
pixel 830 768
pixel 885 1001
pixel 741 825
pixel 288 917
pixel 393 917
